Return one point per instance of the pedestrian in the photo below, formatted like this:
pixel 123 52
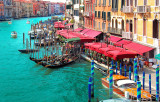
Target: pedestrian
pixel 142 63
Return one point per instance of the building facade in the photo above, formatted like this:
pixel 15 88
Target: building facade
pixel 1 9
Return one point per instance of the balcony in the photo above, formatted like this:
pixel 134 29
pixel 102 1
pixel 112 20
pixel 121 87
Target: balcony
pixel 87 14
pixel 127 35
pixel 127 9
pixel 115 30
pixel 143 9
pixel 114 9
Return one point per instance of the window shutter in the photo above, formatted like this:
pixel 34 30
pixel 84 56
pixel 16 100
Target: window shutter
pixel 102 14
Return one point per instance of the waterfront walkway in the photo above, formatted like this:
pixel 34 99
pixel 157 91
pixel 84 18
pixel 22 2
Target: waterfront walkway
pixel 140 74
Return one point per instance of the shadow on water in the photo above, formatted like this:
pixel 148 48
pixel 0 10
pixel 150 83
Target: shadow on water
pixel 43 68
pixel 49 71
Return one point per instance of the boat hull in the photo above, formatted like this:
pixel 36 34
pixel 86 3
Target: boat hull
pixel 27 50
pixel 115 89
pixel 14 35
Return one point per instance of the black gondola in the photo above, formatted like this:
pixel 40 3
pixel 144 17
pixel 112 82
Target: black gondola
pixel 59 65
pixel 27 50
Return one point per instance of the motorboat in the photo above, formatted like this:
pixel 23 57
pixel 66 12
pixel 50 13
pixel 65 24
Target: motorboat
pixel 9 22
pixel 28 22
pixel 122 84
pixel 14 34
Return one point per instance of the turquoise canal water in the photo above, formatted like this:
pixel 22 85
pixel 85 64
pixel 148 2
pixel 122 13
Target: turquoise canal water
pixel 21 80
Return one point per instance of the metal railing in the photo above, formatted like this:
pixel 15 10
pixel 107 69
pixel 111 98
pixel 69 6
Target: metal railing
pixel 115 30
pixel 143 9
pixel 127 9
pixel 127 35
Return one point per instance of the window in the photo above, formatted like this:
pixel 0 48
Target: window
pixel 157 2
pixel 109 2
pixel 122 3
pixel 99 25
pixel 99 14
pixel 108 16
pixel 76 12
pixel 155 28
pixel 104 15
pixel 112 23
pixel 145 2
pixel 99 2
pixel 131 28
pixel 144 27
pixel 95 13
pixel 135 26
pixel 103 26
pixel 135 3
pixel 96 2
pixel 114 5
pixel 104 2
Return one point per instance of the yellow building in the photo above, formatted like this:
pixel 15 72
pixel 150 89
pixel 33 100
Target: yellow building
pixel 102 15
pixel 137 20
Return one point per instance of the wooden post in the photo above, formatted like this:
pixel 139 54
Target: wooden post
pixel 23 38
pixel 30 40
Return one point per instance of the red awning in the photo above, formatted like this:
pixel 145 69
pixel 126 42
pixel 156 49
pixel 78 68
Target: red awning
pixel 140 49
pixel 114 39
pixel 84 31
pixel 122 42
pixel 120 54
pixel 92 33
pixel 78 29
pixel 69 24
pixel 59 26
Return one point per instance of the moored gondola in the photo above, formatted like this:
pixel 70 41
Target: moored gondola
pixel 27 50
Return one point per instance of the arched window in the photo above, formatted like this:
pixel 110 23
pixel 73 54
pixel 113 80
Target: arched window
pixel 116 23
pixel 122 24
pixel 112 23
pixel 155 28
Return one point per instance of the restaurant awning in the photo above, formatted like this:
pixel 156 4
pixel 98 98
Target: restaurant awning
pixel 140 49
pixel 85 30
pixel 69 24
pixel 92 33
pixel 122 42
pixel 78 29
pixel 73 40
pixel 114 39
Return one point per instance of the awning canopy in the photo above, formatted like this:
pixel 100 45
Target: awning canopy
pixel 78 29
pixel 84 31
pixel 92 33
pixel 122 42
pixel 140 49
pixel 69 24
pixel 59 25
pixel 73 40
pixel 114 39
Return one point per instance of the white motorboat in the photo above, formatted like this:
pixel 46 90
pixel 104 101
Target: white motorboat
pixel 9 22
pixel 14 34
pixel 28 22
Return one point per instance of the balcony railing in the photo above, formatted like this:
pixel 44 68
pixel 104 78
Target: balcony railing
pixel 127 9
pixel 8 6
pixel 127 35
pixel 114 9
pixel 115 30
pixel 143 9
pixel 87 14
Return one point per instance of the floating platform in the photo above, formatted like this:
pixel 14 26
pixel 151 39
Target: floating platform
pixel 117 100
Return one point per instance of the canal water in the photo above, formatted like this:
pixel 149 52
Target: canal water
pixel 21 80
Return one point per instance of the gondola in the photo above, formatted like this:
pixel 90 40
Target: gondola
pixel 59 65
pixel 27 50
pixel 35 60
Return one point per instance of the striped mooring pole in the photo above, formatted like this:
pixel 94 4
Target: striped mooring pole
pixel 92 76
pixel 130 72
pixel 135 69
pixel 120 69
pixel 116 67
pixel 143 80
pixel 111 81
pixel 89 89
pixel 125 70
pixel 139 91
pixel 150 83
pixel 157 83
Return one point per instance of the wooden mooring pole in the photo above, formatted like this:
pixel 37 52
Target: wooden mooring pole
pixel 23 38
